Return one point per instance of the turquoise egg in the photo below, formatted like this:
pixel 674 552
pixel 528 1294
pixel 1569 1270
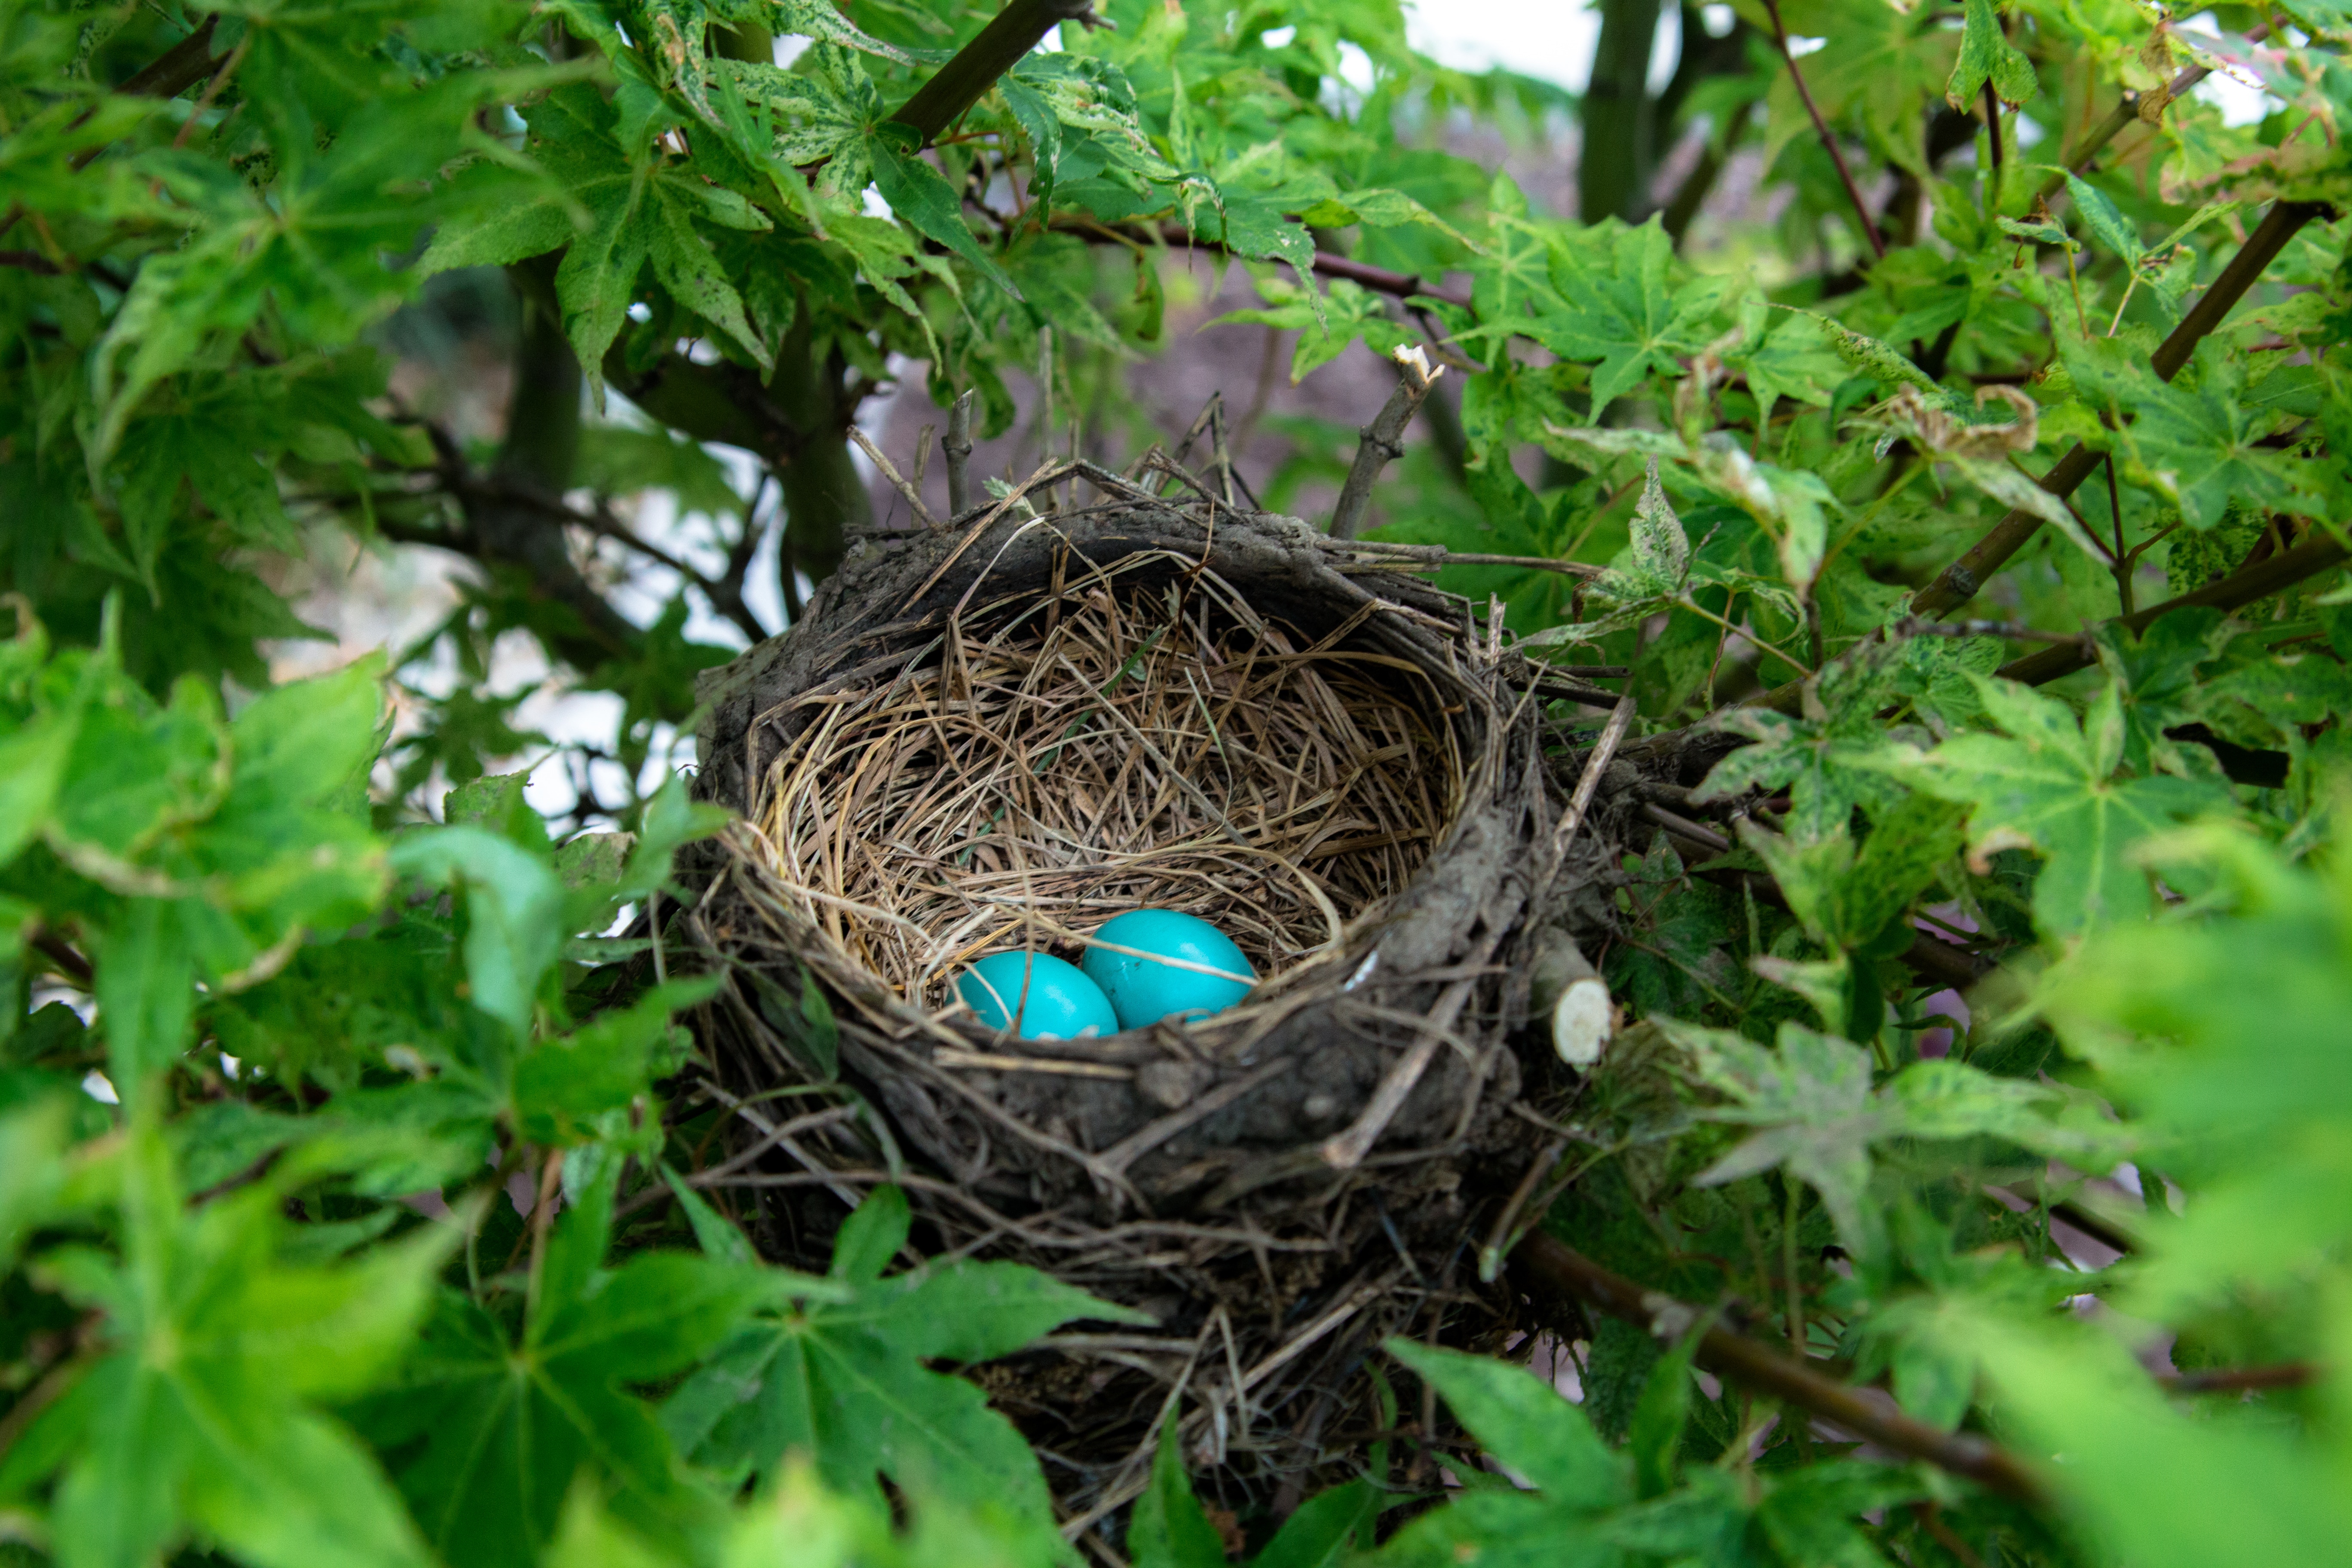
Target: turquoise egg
pixel 1145 990
pixel 1061 1002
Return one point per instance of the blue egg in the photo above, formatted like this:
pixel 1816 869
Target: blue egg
pixel 1145 990
pixel 1060 1002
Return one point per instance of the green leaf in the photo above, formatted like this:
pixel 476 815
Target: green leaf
pixel 1987 55
pixel 195 1418
pixel 2048 785
pixel 1324 1530
pixel 1655 1438
pixel 492 1428
pixel 1526 1424
pixel 920 195
pixel 871 1237
pixel 563 1085
pixel 1168 1528
pixel 840 1377
pixel 514 906
pixel 1628 315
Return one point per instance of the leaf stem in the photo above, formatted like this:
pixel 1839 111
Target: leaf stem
pixel 1822 129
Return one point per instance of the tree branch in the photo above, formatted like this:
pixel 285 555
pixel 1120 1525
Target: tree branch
pixel 1550 1267
pixel 1822 129
pixel 2127 110
pixel 1009 36
pixel 1378 279
pixel 1381 441
pixel 1959 582
pixel 2240 588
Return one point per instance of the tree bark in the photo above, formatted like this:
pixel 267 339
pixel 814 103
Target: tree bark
pixel 1620 152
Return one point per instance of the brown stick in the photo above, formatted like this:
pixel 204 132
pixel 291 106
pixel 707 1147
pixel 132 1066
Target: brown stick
pixel 958 450
pixel 1009 35
pixel 1548 1265
pixel 1822 129
pixel 2232 1380
pixel 1378 279
pixel 1959 581
pixel 1382 441
pixel 2126 110
pixel 2238 589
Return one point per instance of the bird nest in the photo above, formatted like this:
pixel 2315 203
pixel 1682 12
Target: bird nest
pixel 1001 735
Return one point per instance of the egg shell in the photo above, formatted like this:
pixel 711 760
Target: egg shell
pixel 1060 1003
pixel 1143 990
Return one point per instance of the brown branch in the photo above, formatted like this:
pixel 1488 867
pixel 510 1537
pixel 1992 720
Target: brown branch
pixel 1822 129
pixel 1381 441
pixel 957 449
pixel 2127 110
pixel 177 68
pixel 1549 1266
pixel 1959 582
pixel 2236 591
pixel 58 951
pixel 2235 1380
pixel 1378 279
pixel 1009 35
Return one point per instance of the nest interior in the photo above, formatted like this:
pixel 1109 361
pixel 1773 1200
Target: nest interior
pixel 1000 735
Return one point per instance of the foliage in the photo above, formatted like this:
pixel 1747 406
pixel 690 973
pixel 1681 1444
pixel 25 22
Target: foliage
pixel 352 1199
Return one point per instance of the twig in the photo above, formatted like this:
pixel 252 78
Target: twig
pixel 897 479
pixel 70 963
pixel 1706 837
pixel 1382 440
pixel 2124 558
pixel 2126 110
pixel 212 91
pixel 1552 1266
pixel 1587 783
pixel 957 449
pixel 1377 279
pixel 550 1179
pixel 1959 581
pixel 2232 1380
pixel 1822 129
pixel 2240 588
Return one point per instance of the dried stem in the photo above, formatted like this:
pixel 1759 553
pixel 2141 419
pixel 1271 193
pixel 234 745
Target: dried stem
pixel 957 449
pixel 897 481
pixel 1550 1266
pixel 1382 441
pixel 1822 129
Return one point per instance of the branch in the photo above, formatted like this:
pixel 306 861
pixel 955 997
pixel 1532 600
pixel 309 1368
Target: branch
pixel 957 449
pixel 1822 129
pixel 1382 441
pixel 1009 36
pixel 2126 110
pixel 1959 581
pixel 177 68
pixel 2240 588
pixel 1553 1268
pixel 1378 279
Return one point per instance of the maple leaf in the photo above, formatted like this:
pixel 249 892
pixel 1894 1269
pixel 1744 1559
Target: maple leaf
pixel 1629 317
pixel 2048 785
